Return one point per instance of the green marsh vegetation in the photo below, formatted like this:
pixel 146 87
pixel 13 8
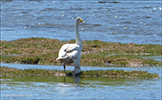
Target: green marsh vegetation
pixel 13 72
pixel 95 53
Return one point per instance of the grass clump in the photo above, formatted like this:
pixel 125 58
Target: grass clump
pixel 12 72
pixel 118 74
pixel 94 53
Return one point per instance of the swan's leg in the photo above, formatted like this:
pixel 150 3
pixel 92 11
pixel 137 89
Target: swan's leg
pixel 64 68
pixel 77 70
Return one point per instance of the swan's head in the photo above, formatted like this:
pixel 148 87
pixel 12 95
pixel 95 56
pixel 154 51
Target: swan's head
pixel 79 20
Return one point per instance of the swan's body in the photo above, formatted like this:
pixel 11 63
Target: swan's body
pixel 71 53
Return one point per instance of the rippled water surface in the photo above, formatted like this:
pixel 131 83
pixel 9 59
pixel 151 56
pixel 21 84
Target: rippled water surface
pixel 136 21
pixel 80 88
pixel 123 21
pixel 89 88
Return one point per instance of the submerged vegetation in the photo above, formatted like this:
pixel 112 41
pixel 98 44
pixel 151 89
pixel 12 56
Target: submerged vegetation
pixel 12 72
pixel 94 53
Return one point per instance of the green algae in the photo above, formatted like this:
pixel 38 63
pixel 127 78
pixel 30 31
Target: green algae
pixel 13 72
pixel 95 53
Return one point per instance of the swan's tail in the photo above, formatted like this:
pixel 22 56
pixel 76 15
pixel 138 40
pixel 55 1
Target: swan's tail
pixel 65 60
pixel 60 58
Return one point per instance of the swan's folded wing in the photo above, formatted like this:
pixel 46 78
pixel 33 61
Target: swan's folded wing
pixel 72 47
pixel 62 52
pixel 73 54
pixel 67 50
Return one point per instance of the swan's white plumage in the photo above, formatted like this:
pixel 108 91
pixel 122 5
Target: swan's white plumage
pixel 71 53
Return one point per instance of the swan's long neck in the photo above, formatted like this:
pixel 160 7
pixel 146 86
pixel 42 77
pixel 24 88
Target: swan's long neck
pixel 77 36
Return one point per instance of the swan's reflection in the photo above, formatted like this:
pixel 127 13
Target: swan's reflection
pixel 76 79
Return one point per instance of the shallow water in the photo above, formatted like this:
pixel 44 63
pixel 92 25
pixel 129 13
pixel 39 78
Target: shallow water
pixel 89 88
pixel 78 88
pixel 157 58
pixel 123 21
pixel 83 68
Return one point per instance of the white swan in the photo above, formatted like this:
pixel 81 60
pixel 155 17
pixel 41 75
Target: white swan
pixel 71 53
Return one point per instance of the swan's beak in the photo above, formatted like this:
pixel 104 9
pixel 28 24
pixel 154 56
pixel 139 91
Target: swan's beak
pixel 81 20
